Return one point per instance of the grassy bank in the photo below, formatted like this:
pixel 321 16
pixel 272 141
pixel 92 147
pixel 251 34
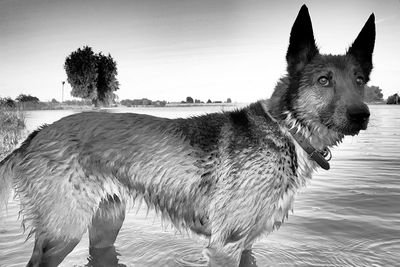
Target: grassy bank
pixel 12 129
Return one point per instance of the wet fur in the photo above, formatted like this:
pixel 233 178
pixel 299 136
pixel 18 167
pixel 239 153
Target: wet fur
pixel 229 176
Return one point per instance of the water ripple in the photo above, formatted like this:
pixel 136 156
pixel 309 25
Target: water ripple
pixel 348 216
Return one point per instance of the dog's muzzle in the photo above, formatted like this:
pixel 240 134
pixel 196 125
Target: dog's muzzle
pixel 358 115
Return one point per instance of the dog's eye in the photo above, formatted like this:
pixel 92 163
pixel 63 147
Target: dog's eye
pixel 360 80
pixel 323 80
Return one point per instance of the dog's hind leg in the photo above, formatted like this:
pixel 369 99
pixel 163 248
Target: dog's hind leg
pixel 50 252
pixel 59 217
pixel 106 223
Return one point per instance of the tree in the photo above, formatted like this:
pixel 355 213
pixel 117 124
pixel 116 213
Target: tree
pixel 393 99
pixel 127 102
pixel 92 76
pixel 229 100
pixel 189 99
pixel 81 70
pixel 107 82
pixel 209 101
pixel 373 94
pixel 26 98
pixel 7 102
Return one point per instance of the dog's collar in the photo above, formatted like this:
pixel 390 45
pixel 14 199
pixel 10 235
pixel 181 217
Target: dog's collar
pixel 320 157
pixel 317 155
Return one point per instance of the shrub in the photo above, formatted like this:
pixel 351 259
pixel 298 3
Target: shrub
pixel 12 129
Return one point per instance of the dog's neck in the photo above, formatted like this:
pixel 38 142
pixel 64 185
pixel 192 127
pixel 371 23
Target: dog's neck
pixel 315 132
pixel 315 139
pixel 318 135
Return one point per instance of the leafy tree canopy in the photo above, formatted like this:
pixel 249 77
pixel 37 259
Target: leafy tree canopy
pixel 189 99
pixel 7 102
pixel 26 98
pixel 92 76
pixel 373 94
pixel 393 99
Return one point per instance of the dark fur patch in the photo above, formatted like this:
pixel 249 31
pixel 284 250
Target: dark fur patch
pixel 202 131
pixel 239 118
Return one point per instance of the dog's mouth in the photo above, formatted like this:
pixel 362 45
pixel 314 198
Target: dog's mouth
pixel 364 125
pixel 352 128
pixel 358 119
pixel 350 121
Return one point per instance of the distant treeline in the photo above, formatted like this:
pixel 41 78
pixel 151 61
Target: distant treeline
pixel 190 100
pixel 163 103
pixel 393 99
pixel 142 102
pixel 373 94
pixel 28 102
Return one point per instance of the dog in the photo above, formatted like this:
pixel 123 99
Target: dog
pixel 229 176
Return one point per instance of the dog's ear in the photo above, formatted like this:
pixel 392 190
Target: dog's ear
pixel 302 47
pixel 363 46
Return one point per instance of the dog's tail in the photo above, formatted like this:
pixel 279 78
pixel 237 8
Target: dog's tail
pixel 7 165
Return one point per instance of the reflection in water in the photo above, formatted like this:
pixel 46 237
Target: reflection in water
pixel 103 257
pixel 248 259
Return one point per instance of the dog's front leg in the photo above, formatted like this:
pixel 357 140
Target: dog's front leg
pixel 223 255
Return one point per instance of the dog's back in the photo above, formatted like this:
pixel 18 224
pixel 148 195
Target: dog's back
pixel 174 165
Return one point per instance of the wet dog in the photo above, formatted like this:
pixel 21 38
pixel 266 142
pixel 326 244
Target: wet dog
pixel 229 176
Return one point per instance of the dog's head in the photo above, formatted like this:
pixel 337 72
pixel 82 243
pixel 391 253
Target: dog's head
pixel 325 90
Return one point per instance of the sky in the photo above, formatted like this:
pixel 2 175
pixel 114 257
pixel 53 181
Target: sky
pixel 171 49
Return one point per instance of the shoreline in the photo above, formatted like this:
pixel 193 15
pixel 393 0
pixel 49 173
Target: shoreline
pixel 168 105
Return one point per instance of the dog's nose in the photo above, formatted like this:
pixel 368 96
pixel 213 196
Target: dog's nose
pixel 358 113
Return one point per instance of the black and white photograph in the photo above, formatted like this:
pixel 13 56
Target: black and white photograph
pixel 195 133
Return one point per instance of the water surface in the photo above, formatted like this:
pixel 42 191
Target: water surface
pixel 347 216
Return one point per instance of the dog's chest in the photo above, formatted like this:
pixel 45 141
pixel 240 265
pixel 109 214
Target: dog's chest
pixel 295 168
pixel 305 165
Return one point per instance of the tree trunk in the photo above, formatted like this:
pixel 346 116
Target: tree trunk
pixel 95 102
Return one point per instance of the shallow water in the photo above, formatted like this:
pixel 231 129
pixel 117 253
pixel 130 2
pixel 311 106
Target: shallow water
pixel 348 216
